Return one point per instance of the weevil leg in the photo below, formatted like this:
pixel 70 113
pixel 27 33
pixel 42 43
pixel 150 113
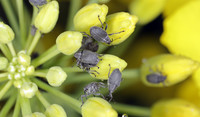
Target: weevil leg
pixel 116 33
pixel 99 94
pixel 111 97
pixel 109 71
pixel 101 22
pixel 106 26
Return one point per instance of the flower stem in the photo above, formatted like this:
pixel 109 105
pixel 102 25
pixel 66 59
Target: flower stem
pixel 50 53
pixel 3 76
pixel 5 88
pixel 12 50
pixel 22 23
pixel 5 51
pixel 92 1
pixel 6 108
pixel 131 73
pixel 40 73
pixel 17 107
pixel 132 110
pixel 34 42
pixel 74 7
pixel 73 103
pixel 42 99
pixel 25 106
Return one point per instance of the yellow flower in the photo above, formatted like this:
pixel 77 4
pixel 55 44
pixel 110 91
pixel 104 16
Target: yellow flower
pixel 55 110
pixel 6 33
pixel 87 17
pixel 174 108
pixel 97 107
pixel 106 62
pixel 118 22
pixel 69 42
pixel 181 31
pixel 175 68
pixel 47 17
pixel 146 10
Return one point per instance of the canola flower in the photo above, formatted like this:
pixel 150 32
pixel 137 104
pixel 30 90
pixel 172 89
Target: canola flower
pixel 20 84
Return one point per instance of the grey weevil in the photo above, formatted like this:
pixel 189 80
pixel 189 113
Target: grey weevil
pixel 114 81
pixel 38 2
pixel 156 77
pixel 92 89
pixel 89 43
pixel 100 35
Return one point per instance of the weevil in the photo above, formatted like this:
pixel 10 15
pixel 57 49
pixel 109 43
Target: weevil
pixel 33 30
pixel 89 43
pixel 156 77
pixel 38 2
pixel 92 89
pixel 114 81
pixel 100 34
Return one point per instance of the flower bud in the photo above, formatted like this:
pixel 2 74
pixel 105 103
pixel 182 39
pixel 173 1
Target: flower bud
pixel 56 76
pixel 107 63
pixel 3 63
pixel 69 42
pixel 28 89
pixel 23 58
pixel 174 108
pixel 55 110
pixel 18 83
pixel 119 22
pixel 174 68
pixel 6 33
pixel 36 114
pixel 30 70
pixel 97 107
pixel 47 17
pixel 87 17
pixel 146 10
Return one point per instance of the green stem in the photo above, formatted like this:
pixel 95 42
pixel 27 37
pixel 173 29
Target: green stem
pixel 42 99
pixel 40 73
pixel 5 51
pixel 50 53
pixel 131 73
pixel 10 15
pixel 25 106
pixel 2 75
pixel 12 50
pixel 17 107
pixel 92 1
pixel 30 36
pixel 3 79
pixel 132 110
pixel 34 42
pixel 102 48
pixel 73 103
pixel 74 7
pixel 8 105
pixel 22 23
pixel 5 88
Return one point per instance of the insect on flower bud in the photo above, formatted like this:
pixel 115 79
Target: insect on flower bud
pixel 28 89
pixel 3 63
pixel 56 76
pixel 69 42
pixel 47 17
pixel 174 108
pixel 6 33
pixel 146 10
pixel 107 63
pixel 97 107
pixel 87 17
pixel 121 23
pixel 55 110
pixel 166 70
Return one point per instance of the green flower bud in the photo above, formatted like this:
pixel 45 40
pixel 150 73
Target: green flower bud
pixel 55 110
pixel 56 76
pixel 6 33
pixel 3 63
pixel 23 58
pixel 28 89
pixel 69 42
pixel 30 70
pixel 107 61
pixel 47 17
pixel 87 17
pixel 18 83
pixel 97 107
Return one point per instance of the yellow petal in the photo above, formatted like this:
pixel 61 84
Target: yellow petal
pixel 118 22
pixel 181 31
pixel 87 17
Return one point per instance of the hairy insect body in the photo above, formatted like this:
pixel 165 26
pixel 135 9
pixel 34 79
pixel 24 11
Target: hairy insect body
pixel 38 2
pixel 156 78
